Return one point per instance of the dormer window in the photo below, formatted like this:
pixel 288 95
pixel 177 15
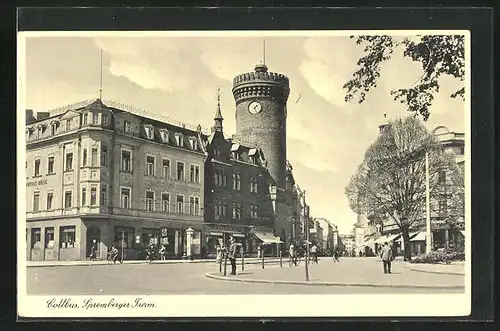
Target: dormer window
pixel 105 120
pixel 53 127
pixel 29 131
pixel 127 126
pixel 39 130
pixel 236 156
pixel 194 143
pixel 252 154
pixel 150 132
pixel 179 139
pixel 164 135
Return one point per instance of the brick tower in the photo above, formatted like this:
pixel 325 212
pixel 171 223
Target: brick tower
pixel 261 98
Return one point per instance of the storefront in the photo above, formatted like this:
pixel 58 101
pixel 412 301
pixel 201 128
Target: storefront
pixel 219 235
pixel 269 243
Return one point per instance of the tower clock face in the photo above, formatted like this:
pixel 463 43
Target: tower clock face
pixel 254 107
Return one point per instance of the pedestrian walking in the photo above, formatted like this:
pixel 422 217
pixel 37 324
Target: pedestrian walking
pixel 314 253
pixel 93 250
pixel 336 254
pixel 162 252
pixel 292 253
pixel 233 247
pixel 387 256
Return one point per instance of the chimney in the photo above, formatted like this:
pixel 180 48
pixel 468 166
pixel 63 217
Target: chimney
pixel 42 115
pixel 29 115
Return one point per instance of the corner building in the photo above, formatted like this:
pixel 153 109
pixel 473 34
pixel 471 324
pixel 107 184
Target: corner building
pixel 101 173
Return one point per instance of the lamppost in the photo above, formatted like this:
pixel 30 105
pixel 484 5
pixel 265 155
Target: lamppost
pixel 428 240
pixel 306 220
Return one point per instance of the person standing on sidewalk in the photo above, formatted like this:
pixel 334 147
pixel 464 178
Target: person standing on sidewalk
pixel 336 254
pixel 93 250
pixel 233 247
pixel 387 257
pixel 162 252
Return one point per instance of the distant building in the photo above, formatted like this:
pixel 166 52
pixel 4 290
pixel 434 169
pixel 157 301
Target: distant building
pixel 348 244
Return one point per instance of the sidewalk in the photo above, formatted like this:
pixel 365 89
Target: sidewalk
pixel 105 262
pixel 348 272
pixel 448 269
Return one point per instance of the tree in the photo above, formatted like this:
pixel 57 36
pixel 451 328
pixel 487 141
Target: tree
pixel 390 182
pixel 438 55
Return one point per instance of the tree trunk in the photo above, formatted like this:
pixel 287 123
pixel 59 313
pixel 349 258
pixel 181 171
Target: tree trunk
pixel 406 240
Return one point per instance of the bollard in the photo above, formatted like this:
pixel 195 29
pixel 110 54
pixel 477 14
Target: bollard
pixel 281 260
pixel 220 265
pixel 225 265
pixel 262 259
pixel 242 262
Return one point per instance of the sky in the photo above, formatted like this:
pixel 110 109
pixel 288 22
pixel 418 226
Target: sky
pixel 179 76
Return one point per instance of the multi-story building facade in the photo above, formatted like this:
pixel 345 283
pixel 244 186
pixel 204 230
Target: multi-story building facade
pixel 104 174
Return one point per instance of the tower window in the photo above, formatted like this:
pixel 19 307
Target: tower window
pixel 84 119
pixel 95 118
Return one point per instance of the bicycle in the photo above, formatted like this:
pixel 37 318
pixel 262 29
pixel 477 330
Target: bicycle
pixel 113 258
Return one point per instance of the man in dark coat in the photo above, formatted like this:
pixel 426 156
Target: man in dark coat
pixel 233 250
pixel 387 256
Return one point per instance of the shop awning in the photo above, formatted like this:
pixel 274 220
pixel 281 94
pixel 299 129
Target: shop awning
pixel 413 234
pixel 216 234
pixel 241 235
pixel 381 240
pixel 266 237
pixel 419 237
pixel 393 237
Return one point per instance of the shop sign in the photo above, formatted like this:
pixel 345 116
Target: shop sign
pixel 224 228
pixel 36 183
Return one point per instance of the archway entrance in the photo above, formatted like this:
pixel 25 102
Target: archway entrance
pixel 93 233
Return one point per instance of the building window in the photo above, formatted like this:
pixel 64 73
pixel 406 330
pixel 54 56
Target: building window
pixel 69 161
pixel 104 156
pixel 67 199
pixel 150 165
pixel 36 238
pixel 166 168
pixel 125 197
pixel 217 150
pixel 93 196
pixel 180 140
pixel 180 171
pixel 220 209
pixel 164 136
pixel 236 156
pixel 85 116
pixel 84 196
pixel 105 120
pixel 67 236
pixel 196 206
pixel 50 166
pixel 127 126
pixel 68 124
pixel 84 157
pixel 150 198
pixel 150 133
pixel 40 131
pixel 49 238
pixel 94 157
pixel 36 202
pixel 253 185
pixel 191 205
pixel 53 129
pixel 50 198
pixel 253 211
pixel 37 167
pixel 236 181
pixel 180 204
pixel 95 118
pixel 165 202
pixel 126 160
pixel 194 173
pixel 194 143
pixel 124 237
pixel 236 210
pixel 104 196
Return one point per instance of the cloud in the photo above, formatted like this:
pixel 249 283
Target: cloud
pixel 323 81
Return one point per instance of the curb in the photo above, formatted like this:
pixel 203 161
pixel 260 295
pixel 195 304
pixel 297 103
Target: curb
pixel 82 264
pixel 315 283
pixel 433 272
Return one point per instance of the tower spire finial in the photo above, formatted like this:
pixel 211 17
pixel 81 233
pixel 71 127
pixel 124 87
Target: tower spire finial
pixel 218 114
pixel 100 84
